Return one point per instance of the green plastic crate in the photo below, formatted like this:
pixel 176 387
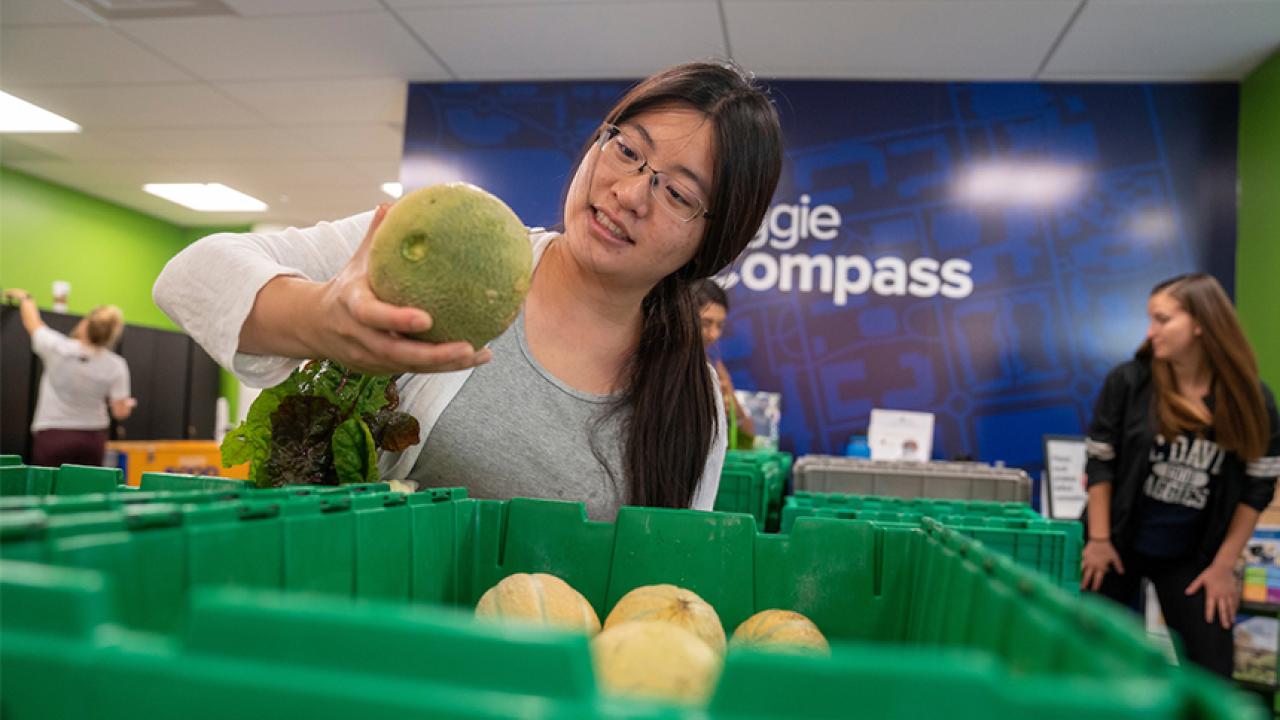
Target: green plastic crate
pixel 29 486
pixel 245 608
pixel 17 480
pixel 10 460
pixel 26 480
pixel 753 482
pixel 926 507
pixel 1051 547
pixel 154 481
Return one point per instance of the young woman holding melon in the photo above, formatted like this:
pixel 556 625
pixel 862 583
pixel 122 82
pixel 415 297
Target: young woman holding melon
pixel 600 391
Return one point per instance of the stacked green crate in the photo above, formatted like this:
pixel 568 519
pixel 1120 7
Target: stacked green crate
pixel 1051 547
pixel 26 485
pixel 753 482
pixel 18 479
pixel 68 480
pixel 832 504
pixel 244 608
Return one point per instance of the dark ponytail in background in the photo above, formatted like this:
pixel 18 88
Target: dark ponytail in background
pixel 669 387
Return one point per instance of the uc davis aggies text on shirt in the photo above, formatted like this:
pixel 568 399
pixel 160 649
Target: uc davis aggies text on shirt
pixel 1180 471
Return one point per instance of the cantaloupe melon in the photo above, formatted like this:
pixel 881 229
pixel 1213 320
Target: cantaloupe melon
pixel 780 631
pixel 655 660
pixel 458 253
pixel 668 603
pixel 539 598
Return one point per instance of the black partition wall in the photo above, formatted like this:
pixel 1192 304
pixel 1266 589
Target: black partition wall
pixel 173 379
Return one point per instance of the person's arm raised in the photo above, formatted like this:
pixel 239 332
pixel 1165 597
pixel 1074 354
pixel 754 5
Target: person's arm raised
pixel 343 320
pixel 310 299
pixel 27 309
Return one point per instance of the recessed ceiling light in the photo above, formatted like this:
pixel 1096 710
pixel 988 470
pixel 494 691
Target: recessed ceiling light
pixel 206 197
pixel 19 116
pixel 393 189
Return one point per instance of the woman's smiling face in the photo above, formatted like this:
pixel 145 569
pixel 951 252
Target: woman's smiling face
pixel 614 222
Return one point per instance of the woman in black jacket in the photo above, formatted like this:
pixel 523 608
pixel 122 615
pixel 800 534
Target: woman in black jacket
pixel 1184 450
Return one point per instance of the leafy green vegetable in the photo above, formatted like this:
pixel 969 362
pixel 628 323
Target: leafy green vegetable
pixel 354 455
pixel 323 425
pixel 392 431
pixel 300 430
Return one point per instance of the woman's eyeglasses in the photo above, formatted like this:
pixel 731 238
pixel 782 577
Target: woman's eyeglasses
pixel 620 151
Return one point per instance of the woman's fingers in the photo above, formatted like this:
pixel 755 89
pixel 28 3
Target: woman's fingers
pixel 1091 578
pixel 1115 561
pixel 397 354
pixel 371 312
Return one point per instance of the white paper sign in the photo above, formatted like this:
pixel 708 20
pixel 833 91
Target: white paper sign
pixel 900 435
pixel 1064 460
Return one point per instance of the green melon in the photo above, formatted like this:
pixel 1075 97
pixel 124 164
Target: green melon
pixel 457 252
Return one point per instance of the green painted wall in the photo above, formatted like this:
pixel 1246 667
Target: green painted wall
pixel 1258 247
pixel 109 254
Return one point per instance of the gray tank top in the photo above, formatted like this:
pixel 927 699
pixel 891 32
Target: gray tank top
pixel 515 430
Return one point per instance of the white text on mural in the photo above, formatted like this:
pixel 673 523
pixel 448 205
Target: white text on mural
pixel 768 266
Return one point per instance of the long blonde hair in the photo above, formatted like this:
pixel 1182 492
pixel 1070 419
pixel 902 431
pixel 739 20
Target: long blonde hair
pixel 1239 419
pixel 103 326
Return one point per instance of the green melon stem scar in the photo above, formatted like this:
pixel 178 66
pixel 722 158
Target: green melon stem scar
pixel 414 247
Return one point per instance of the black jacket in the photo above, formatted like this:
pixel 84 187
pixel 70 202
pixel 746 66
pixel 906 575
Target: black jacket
pixel 1120 438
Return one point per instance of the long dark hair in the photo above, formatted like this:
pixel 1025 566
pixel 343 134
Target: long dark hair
pixel 1239 419
pixel 669 388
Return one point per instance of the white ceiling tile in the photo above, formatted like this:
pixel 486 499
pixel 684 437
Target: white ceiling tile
pixel 328 203
pixel 422 4
pixel 247 175
pixel 297 175
pixel 234 143
pixel 104 181
pixel 277 48
pixel 288 201
pixel 910 39
pixel 257 8
pixel 308 96
pixel 591 40
pixel 139 106
pixel 40 12
pixel 353 142
pixel 84 146
pixel 1168 40
pixel 375 171
pixel 313 102
pixel 80 55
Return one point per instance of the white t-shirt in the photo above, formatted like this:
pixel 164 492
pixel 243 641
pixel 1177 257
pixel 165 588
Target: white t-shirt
pixel 76 384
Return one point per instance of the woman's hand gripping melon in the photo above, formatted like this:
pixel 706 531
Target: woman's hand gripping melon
pixel 458 253
pixel 668 603
pixel 655 660
pixel 780 631
pixel 539 598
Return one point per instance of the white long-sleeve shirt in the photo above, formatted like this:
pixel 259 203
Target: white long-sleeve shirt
pixel 209 288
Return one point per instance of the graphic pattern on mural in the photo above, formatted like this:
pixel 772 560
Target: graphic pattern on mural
pixel 979 251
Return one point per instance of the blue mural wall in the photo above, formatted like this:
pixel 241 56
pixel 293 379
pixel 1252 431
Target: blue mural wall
pixel 979 251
